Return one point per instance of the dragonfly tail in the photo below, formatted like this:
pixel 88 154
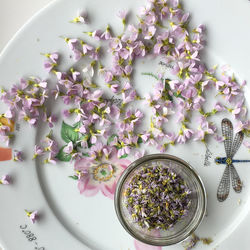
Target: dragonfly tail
pixel 240 160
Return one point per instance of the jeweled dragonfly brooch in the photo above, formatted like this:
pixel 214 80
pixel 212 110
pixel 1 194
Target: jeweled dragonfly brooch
pixel 231 147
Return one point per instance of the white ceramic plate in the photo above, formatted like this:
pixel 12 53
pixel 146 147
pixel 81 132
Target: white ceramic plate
pixel 69 220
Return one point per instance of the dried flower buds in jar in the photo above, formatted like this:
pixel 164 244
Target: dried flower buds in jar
pixel 156 197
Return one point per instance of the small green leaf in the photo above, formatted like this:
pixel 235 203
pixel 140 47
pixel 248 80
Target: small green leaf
pixel 62 156
pixel 124 156
pixel 111 138
pixel 74 177
pixel 68 133
pixel 85 154
pixel 84 138
pixel 166 94
pixel 77 125
pixel 139 140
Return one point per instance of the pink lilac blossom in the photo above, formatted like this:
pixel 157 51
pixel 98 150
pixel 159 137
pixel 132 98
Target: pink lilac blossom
pixel 239 111
pixel 17 156
pixel 51 159
pixel 107 34
pixel 96 34
pixel 32 215
pixel 81 18
pixel 52 61
pixel 242 126
pixel 150 32
pixel 86 48
pixel 122 14
pixel 27 99
pixel 48 65
pixel 205 128
pixel 49 148
pixel 5 180
pixel 54 57
pixel 49 119
pixel 38 151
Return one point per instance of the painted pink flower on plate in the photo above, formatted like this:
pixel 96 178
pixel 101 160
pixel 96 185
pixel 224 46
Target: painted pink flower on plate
pixel 142 246
pixel 95 176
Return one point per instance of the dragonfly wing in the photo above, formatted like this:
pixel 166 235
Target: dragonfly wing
pixel 236 143
pixel 224 186
pixel 236 182
pixel 227 132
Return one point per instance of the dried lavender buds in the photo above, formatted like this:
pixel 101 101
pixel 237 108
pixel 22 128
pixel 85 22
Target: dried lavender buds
pixel 156 197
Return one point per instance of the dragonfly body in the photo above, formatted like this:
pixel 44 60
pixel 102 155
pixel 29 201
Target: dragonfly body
pixel 232 144
pixel 223 160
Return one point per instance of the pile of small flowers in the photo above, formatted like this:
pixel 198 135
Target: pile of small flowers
pixel 100 127
pixel 162 30
pixel 157 198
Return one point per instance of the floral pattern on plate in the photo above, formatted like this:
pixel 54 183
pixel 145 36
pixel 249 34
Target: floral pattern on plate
pixel 6 124
pixel 94 176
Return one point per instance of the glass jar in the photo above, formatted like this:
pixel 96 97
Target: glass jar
pixel 183 227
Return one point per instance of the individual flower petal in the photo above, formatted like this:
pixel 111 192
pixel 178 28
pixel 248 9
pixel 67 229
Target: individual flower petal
pixel 106 35
pixel 48 65
pixel 150 32
pixel 69 148
pixel 122 14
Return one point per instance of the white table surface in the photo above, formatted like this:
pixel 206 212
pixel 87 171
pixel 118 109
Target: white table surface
pixel 13 15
